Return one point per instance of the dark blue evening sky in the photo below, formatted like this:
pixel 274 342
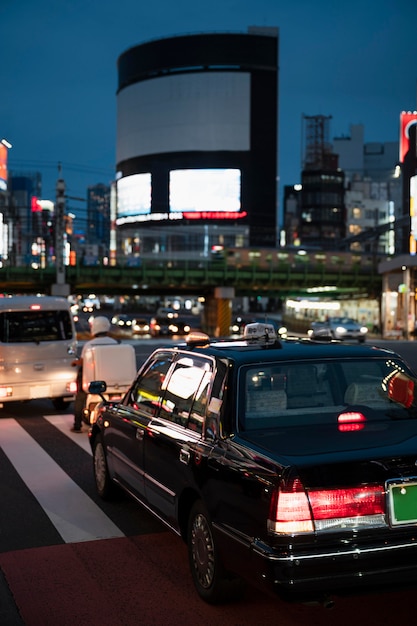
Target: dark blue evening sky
pixel 355 61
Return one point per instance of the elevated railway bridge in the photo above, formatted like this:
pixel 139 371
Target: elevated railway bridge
pixel 262 272
pixel 240 272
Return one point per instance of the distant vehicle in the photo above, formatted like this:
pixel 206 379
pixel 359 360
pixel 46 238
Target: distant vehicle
pixel 122 323
pixel 169 324
pixel 90 304
pixel 341 328
pixel 37 347
pixel 239 322
pixel 291 464
pixel 141 326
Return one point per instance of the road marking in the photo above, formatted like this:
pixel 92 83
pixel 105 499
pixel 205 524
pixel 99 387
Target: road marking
pixel 75 516
pixel 64 423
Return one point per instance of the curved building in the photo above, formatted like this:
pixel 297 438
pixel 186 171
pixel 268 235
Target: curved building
pixel 197 143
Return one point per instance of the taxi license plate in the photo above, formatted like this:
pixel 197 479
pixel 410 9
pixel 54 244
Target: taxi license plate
pixel 403 503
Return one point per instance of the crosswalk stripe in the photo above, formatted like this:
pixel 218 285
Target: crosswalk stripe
pixel 75 516
pixel 63 423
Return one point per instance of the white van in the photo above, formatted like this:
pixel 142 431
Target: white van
pixel 38 343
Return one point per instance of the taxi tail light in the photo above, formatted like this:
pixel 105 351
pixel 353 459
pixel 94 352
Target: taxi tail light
pixel 295 510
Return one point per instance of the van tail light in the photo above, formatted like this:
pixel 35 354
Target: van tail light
pixel 6 392
pixel 294 509
pixel 72 387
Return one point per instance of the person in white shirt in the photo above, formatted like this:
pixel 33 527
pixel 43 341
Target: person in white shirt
pixel 100 328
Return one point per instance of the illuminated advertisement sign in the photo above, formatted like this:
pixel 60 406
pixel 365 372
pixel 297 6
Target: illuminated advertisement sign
pixel 407 119
pixel 3 167
pixel 134 196
pixel 194 194
pixel 413 211
pixel 204 191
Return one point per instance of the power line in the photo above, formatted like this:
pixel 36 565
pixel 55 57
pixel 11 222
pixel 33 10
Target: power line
pixel 75 167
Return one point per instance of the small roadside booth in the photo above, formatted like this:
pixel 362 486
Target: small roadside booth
pixel 399 293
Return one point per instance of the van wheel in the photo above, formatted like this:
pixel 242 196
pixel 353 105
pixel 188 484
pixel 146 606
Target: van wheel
pixel 61 404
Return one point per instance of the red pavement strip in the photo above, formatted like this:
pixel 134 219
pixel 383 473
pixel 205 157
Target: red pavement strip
pixel 145 580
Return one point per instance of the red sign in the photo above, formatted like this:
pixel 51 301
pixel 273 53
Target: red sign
pixel 213 215
pixel 407 119
pixel 36 207
pixel 3 166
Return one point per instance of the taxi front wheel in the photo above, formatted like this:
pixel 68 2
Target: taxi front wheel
pixel 212 582
pixel 104 484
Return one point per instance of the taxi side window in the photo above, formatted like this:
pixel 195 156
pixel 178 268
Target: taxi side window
pixel 146 394
pixel 186 393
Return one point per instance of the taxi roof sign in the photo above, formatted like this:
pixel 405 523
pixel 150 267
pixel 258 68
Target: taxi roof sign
pixel 260 332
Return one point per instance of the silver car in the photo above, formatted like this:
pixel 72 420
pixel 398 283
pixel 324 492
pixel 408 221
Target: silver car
pixel 340 328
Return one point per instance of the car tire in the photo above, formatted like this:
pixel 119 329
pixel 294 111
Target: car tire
pixel 214 585
pixel 104 485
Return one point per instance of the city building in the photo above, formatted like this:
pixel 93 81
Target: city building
pixel 373 192
pixel 97 234
pixel 29 225
pixel 197 145
pixel 350 196
pixel 322 219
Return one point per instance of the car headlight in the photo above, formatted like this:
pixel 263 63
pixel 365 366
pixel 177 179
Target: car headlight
pixel 363 330
pixel 340 330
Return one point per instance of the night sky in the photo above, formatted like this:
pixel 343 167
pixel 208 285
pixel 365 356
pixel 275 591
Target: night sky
pixel 355 61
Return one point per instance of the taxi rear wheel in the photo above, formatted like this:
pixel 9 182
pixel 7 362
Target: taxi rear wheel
pixel 212 582
pixel 105 486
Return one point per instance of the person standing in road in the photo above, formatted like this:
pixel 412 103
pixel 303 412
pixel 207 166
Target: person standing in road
pixel 100 328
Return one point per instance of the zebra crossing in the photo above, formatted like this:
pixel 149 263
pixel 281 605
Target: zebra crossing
pixel 74 515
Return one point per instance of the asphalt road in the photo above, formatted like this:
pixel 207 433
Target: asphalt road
pixel 67 557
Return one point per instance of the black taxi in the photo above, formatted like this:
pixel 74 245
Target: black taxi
pixel 289 464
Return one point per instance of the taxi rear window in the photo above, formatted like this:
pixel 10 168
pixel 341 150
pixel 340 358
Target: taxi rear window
pixel 294 394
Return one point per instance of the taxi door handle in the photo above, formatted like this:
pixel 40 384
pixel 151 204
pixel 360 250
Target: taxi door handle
pixel 140 433
pixel 185 456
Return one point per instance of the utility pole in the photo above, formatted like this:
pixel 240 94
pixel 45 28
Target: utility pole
pixel 60 288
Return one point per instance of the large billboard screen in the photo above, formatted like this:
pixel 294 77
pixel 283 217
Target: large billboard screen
pixel 134 195
pixel 204 191
pixel 407 119
pixel 198 111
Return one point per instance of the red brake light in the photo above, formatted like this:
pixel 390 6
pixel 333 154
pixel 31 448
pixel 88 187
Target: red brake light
pixel 295 510
pixel 353 502
pixel 351 416
pixel 290 510
pixel 351 421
